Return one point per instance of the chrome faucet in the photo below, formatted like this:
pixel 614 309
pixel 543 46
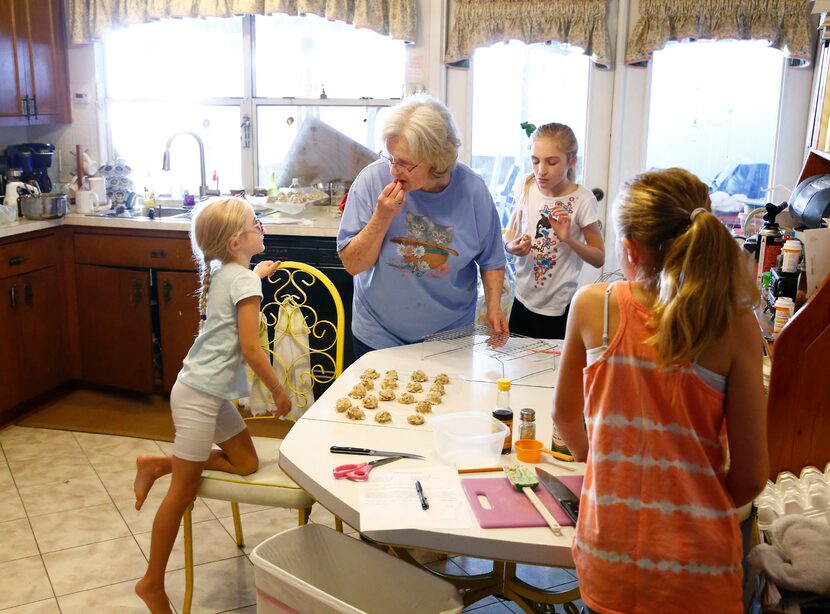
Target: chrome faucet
pixel 165 165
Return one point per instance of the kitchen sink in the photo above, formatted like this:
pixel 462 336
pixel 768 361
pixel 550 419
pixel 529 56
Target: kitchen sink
pixel 162 212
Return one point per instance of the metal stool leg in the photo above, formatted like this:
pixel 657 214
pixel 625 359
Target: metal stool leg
pixel 188 559
pixel 237 524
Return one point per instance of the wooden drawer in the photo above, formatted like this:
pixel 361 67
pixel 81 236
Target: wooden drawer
pixel 138 252
pixel 28 255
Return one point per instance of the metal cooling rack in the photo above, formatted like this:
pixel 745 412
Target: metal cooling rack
pixel 477 337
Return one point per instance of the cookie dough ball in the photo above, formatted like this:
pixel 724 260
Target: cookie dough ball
pixel 370 402
pixel 406 398
pixel 384 417
pixel 414 387
pixel 389 383
pixel 358 392
pixel 391 374
pixel 437 388
pixel 419 376
pixel 342 405
pixel 434 398
pixel 415 419
pixel 370 373
pixel 386 394
pixel 368 383
pixel 525 237
pixel 355 413
pixel 442 378
pixel 424 407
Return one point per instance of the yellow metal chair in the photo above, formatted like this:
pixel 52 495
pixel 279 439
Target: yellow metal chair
pixel 294 285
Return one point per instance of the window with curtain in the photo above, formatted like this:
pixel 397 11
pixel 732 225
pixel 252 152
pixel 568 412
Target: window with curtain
pixel 714 110
pixel 515 83
pixel 246 86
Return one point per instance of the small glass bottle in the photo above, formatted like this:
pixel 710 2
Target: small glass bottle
pixel 527 423
pixel 558 444
pixel 503 413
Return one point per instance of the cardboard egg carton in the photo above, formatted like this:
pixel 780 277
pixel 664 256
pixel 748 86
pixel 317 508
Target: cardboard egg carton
pixel 808 495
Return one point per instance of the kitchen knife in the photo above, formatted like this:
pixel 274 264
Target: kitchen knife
pixel 563 495
pixel 368 452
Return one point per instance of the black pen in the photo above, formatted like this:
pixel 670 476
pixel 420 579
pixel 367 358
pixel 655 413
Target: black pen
pixel 424 502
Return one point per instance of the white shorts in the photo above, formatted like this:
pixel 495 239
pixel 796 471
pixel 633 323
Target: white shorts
pixel 201 420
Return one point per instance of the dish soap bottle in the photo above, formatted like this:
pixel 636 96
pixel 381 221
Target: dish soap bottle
pixel 272 185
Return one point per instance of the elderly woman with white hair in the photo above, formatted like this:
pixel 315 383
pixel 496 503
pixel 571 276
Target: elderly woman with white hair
pixel 417 229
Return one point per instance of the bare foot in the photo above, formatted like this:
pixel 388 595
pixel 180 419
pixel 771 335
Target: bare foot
pixel 155 598
pixel 147 470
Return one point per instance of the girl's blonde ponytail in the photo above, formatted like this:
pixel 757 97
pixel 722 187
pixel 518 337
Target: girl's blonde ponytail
pixel 701 277
pixel 215 224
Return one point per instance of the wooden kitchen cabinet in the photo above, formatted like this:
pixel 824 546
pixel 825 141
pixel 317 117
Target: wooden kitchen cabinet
pixel 33 63
pixel 178 320
pixel 34 351
pixel 115 327
pixel 137 308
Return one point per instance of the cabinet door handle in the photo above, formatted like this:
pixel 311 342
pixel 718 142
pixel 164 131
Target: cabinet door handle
pixel 15 260
pixel 13 297
pixel 167 291
pixel 24 104
pixel 27 293
pixel 158 253
pixel 137 293
pixel 34 106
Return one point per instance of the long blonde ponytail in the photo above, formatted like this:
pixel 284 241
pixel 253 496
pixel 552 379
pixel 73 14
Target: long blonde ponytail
pixel 215 224
pixel 701 279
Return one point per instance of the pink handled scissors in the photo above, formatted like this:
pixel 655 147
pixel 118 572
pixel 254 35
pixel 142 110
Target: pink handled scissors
pixel 359 472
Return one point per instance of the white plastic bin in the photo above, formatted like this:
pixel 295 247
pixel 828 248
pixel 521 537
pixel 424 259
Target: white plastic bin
pixel 313 569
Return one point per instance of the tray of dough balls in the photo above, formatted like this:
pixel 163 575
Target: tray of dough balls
pixel 397 398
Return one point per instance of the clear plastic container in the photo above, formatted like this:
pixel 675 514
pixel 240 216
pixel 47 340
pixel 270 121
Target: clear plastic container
pixel 468 439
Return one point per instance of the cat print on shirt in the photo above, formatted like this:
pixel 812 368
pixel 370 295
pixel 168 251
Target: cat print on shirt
pixel 418 227
pixel 545 245
pixel 441 235
pixel 425 249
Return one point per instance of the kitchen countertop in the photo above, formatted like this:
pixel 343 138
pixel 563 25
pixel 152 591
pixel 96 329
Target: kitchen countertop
pixel 314 220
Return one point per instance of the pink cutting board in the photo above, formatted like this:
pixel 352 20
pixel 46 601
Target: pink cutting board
pixel 511 507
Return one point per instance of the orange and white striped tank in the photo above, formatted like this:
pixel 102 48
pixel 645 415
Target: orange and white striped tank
pixel 657 531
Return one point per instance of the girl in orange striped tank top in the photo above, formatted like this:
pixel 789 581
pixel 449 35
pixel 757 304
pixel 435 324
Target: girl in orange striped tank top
pixel 668 384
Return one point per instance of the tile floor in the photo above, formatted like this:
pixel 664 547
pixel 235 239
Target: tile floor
pixel 72 542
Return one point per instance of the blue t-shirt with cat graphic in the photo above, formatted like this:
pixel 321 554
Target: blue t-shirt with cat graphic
pixel 425 279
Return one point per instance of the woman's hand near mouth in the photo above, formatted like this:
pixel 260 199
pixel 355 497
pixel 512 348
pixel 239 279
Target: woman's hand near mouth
pixel 392 199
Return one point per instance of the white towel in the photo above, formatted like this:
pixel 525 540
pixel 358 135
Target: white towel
pixel 291 361
pixel 798 558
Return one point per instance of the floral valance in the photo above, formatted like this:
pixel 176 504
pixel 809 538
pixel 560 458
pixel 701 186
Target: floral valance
pixel 784 23
pixel 89 20
pixel 481 23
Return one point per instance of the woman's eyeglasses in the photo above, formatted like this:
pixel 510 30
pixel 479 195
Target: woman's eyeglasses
pixel 404 166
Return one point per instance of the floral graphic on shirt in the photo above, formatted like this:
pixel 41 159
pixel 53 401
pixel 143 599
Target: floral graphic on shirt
pixel 425 249
pixel 545 245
